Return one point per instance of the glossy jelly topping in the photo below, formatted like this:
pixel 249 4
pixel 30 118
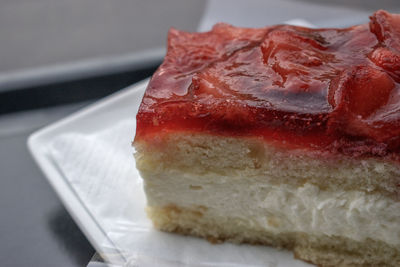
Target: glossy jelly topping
pixel 331 89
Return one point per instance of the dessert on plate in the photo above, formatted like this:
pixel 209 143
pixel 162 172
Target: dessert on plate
pixel 283 136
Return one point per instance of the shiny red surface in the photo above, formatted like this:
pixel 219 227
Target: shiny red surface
pixel 331 89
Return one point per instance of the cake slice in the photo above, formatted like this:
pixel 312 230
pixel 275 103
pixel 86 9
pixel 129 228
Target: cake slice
pixel 283 136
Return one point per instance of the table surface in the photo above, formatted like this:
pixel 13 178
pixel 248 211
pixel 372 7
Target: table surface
pixel 35 228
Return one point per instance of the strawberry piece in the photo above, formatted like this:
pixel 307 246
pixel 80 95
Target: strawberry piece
pixel 386 27
pixel 291 53
pixel 356 95
pixel 209 83
pixel 388 60
pixel 370 89
pixel 361 91
pixel 191 52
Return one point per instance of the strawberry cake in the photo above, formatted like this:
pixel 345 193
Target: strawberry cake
pixel 283 136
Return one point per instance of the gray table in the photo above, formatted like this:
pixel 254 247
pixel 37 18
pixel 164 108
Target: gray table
pixel 35 229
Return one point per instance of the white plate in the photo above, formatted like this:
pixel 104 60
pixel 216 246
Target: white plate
pixel 88 160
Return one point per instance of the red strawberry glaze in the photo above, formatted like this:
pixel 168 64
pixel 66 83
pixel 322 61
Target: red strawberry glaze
pixel 334 90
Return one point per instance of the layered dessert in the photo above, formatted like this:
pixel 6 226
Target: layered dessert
pixel 283 136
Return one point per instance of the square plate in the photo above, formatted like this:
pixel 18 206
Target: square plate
pixel 87 158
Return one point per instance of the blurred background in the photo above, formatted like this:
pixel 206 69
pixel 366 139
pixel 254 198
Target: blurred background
pixel 57 56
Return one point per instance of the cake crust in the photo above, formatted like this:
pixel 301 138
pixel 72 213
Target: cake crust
pixel 254 157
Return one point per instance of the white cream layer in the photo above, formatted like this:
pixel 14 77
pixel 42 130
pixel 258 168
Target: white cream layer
pixel 281 208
